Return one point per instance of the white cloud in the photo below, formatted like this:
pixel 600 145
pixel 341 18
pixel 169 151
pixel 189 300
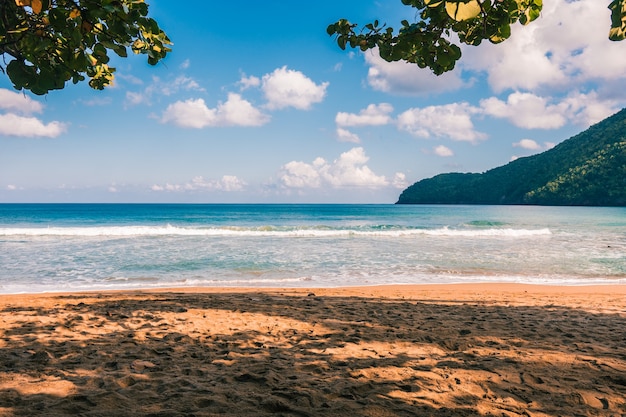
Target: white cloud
pixel 185 64
pixel 22 124
pixel 18 102
pixel 14 125
pixel 451 120
pixel 372 115
pixel 134 98
pixel 180 83
pixel 297 174
pixel 349 170
pixel 11 187
pixel 526 110
pixel 530 111
pixel 527 144
pixel 443 151
pixel 408 79
pixel 532 145
pixel 288 88
pixel 399 180
pixel 195 113
pixel 587 109
pixel 567 44
pixel 518 63
pixel 344 135
pixel 239 112
pixel 248 82
pixel 228 183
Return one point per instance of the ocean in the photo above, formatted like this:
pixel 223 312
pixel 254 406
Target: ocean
pixel 81 247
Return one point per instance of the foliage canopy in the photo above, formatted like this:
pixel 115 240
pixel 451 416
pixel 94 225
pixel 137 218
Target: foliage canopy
pixel 50 42
pixel 426 42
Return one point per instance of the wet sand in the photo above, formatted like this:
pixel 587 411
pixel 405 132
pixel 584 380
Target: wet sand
pixel 441 350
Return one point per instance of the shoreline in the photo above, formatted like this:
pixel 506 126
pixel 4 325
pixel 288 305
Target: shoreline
pixel 391 350
pixel 617 288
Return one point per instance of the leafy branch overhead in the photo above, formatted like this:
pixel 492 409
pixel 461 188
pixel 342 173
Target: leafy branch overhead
pixel 427 42
pixel 50 42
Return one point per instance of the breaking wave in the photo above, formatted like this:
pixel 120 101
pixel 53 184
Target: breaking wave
pixel 268 231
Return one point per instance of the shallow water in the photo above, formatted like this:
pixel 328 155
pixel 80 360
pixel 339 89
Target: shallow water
pixel 71 247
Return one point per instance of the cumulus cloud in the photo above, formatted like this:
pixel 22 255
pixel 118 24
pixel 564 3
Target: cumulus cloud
pixel 443 151
pixel 408 79
pixel 532 145
pixel 567 44
pixel 527 144
pixel 18 102
pixel 23 126
pixel 526 110
pixel 289 88
pixel 530 111
pixel 196 114
pixel 18 121
pixel 451 121
pixel 298 174
pixel 249 82
pixel 344 135
pixel 372 115
pixel 399 180
pixel 227 183
pixel 349 170
pixel 587 109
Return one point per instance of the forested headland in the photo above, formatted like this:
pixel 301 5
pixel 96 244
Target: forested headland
pixel 588 169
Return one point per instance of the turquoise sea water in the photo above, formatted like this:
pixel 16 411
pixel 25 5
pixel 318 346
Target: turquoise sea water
pixel 72 247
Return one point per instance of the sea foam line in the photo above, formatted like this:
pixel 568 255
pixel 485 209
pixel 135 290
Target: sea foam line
pixel 268 231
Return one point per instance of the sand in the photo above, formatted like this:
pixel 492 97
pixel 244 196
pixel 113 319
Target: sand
pixel 444 350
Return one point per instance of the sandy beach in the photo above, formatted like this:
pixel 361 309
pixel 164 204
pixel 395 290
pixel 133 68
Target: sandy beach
pixel 440 350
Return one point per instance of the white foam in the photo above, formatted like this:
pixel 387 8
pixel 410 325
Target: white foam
pixel 169 230
pixel 489 232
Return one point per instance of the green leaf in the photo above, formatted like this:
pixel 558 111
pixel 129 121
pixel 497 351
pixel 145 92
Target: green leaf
pixel 120 50
pixel 341 41
pixel 19 74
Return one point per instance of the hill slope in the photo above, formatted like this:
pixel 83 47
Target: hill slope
pixel 588 169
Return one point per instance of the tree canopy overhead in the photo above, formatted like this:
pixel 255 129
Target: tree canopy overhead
pixel 49 42
pixel 426 42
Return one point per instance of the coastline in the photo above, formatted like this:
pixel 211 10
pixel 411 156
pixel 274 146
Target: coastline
pixel 431 350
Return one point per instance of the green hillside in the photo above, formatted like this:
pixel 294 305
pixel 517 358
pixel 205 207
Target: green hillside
pixel 588 169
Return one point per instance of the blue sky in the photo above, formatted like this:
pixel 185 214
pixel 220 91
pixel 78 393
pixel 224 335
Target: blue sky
pixel 256 103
